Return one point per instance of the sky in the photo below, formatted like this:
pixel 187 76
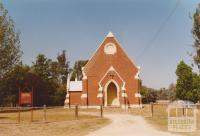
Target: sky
pixel 156 34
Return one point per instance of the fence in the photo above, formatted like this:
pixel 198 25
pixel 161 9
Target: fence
pixel 46 114
pixel 53 114
pixel 147 110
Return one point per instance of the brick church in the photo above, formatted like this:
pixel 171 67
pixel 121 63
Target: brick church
pixel 110 78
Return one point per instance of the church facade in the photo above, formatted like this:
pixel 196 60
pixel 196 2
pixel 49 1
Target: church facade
pixel 110 78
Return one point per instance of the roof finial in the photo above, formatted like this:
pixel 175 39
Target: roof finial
pixel 110 34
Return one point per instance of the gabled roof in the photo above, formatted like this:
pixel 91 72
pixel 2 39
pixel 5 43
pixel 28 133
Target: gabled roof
pixel 109 35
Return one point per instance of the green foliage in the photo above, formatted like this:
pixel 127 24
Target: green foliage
pixel 152 95
pixel 41 67
pixel 63 67
pixel 10 85
pixel 187 87
pixel 59 96
pixel 163 94
pixel 77 70
pixel 47 77
pixel 184 81
pixel 195 94
pixel 54 74
pixel 10 52
pixel 196 35
pixel 148 94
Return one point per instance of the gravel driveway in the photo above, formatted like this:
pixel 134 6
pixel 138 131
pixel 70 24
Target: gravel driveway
pixel 128 125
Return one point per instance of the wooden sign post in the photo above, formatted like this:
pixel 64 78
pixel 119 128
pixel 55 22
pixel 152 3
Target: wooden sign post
pixel 26 99
pixel 19 114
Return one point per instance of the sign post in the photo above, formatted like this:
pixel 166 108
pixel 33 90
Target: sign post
pixel 19 114
pixel 26 99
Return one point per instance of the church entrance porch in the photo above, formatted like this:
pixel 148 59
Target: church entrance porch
pixel 112 94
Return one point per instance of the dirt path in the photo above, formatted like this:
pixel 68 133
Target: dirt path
pixel 128 125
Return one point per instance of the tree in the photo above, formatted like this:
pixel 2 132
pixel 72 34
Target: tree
pixel 59 73
pixel 41 67
pixel 172 92
pixel 196 35
pixel 149 95
pixel 163 94
pixel 63 65
pixel 187 87
pixel 10 52
pixel 21 77
pixel 10 85
pixel 196 87
pixel 184 81
pixel 54 75
pixel 59 96
pixel 46 77
pixel 77 69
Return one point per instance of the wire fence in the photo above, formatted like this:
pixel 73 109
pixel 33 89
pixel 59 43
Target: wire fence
pixel 59 113
pixel 46 114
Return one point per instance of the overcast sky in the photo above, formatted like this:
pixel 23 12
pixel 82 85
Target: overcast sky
pixel 79 26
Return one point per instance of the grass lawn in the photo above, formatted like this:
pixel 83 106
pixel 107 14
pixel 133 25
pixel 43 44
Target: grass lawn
pixel 159 120
pixel 60 122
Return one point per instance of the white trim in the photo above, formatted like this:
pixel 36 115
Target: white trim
pixel 138 95
pixel 82 107
pixel 67 95
pixel 100 89
pixel 124 94
pixel 106 89
pixel 83 72
pixel 108 35
pixel 98 106
pixel 66 101
pixel 83 96
pixel 125 52
pixel 100 95
pixel 68 81
pixel 113 51
pixel 91 107
pixel 137 75
pixel 111 69
pixel 124 106
pixel 135 105
pixel 95 53
pixel 123 86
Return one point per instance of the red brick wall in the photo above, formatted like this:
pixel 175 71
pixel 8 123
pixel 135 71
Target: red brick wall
pixel 101 62
pixel 99 65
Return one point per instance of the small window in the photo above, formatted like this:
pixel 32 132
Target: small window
pixel 110 49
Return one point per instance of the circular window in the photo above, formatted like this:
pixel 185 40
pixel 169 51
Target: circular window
pixel 110 49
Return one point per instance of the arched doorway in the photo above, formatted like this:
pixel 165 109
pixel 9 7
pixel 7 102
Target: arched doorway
pixel 112 98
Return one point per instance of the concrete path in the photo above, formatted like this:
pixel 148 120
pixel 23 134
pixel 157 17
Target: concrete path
pixel 128 125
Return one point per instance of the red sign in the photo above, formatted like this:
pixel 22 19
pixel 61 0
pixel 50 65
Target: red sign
pixel 25 97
